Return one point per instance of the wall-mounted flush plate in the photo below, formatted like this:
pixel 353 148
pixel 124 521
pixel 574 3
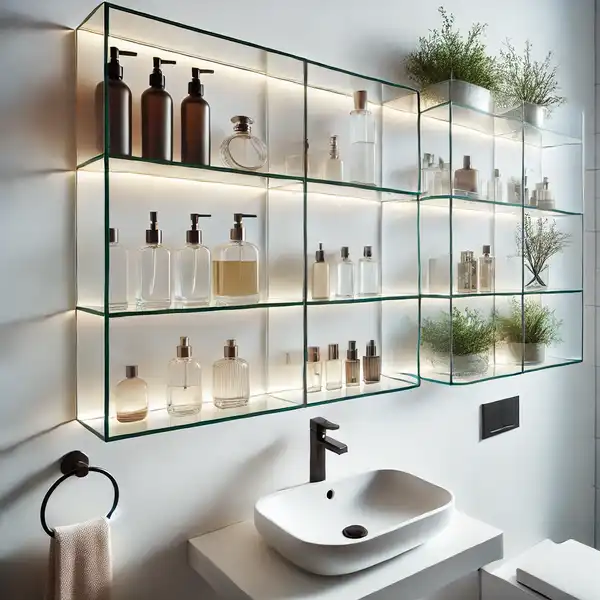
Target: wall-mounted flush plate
pixel 499 417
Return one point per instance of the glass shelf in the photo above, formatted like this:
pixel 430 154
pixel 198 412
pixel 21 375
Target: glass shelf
pixel 501 293
pixel 362 300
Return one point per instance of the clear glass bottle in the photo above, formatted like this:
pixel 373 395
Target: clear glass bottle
pixel 345 275
pixel 428 173
pixel 231 379
pixel 466 273
pixel 487 271
pixel 117 285
pixel 496 188
pixel 352 365
pixel 333 368
pixel 314 370
pixel 334 166
pixel 371 364
pixel 154 289
pixel 362 138
pixel 441 179
pixel 184 386
pixel 235 267
pixel 131 397
pixel 368 274
pixel 242 150
pixel 320 276
pixel 192 268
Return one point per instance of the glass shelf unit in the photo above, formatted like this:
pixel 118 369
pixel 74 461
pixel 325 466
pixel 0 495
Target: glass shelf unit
pixel 462 212
pixel 296 105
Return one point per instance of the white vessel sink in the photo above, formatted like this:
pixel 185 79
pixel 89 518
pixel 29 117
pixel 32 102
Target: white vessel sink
pixel 395 512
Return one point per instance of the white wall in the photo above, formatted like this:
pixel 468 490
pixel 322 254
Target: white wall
pixel 535 482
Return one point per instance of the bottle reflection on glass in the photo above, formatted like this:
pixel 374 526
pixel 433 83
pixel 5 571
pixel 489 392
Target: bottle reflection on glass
pixel 352 365
pixel 131 397
pixel 371 364
pixel 314 370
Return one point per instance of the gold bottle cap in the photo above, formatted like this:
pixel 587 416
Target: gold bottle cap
pixel 360 100
pixel 333 351
pixel 131 371
pixel 230 349
pixel 314 354
pixel 184 350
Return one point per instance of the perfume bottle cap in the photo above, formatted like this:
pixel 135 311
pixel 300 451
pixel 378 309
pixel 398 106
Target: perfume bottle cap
pixel 230 350
pixel 131 371
pixel 360 100
pixel 371 348
pixel 466 256
pixel 352 352
pixel 466 161
pixel 195 86
pixel 114 69
pixel 428 159
pixel 487 249
pixel 238 233
pixel 368 251
pixel 154 234
pixel 344 252
pixel 334 150
pixel 314 354
pixel 545 183
pixel 496 173
pixel 157 79
pixel 333 351
pixel 194 235
pixel 113 235
pixel 184 350
pixel 242 124
pixel 320 254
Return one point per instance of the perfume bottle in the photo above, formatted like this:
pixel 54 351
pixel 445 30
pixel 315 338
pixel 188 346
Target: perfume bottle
pixel 334 166
pixel 184 386
pixel 545 198
pixel 131 397
pixel 371 364
pixel 314 370
pixel 345 275
pixel 231 379
pixel 428 173
pixel 154 289
pixel 466 179
pixel 352 365
pixel 235 267
pixel 487 274
pixel 242 150
pixel 333 368
pixel 320 276
pixel 362 137
pixel 466 273
pixel 192 268
pixel 368 274
pixel 496 188
pixel 117 286
pixel 441 179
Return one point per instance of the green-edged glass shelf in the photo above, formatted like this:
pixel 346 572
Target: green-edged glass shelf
pixel 500 293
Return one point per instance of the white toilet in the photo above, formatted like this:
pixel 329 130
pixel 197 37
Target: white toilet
pixel 567 571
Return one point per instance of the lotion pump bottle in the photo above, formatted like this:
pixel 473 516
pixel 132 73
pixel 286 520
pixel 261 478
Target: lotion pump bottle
pixel 184 387
pixel 195 122
pixel 157 116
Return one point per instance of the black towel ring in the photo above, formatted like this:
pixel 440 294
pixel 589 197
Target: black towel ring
pixel 76 463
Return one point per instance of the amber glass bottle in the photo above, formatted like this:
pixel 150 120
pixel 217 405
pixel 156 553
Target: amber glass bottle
pixel 195 122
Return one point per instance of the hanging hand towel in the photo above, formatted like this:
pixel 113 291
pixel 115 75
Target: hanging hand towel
pixel 80 562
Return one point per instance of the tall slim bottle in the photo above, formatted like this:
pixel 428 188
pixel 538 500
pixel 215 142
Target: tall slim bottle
pixel 362 137
pixel 320 276
pixel 368 274
pixel 345 275
pixel 333 368
pixel 352 365
pixel 117 285
pixel 487 271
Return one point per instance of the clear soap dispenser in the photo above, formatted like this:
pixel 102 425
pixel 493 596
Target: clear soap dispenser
pixel 192 268
pixel 184 387
pixel 231 379
pixel 235 267
pixel 117 287
pixel 154 288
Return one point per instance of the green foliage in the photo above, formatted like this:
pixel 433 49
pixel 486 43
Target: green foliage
pixel 469 332
pixel 541 324
pixel 446 54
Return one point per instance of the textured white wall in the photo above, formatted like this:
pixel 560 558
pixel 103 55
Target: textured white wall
pixel 535 482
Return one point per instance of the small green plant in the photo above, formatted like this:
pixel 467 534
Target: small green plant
pixel 469 332
pixel 541 326
pixel 446 54
pixel 527 80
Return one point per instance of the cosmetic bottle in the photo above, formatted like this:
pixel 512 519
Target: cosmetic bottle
pixel 117 285
pixel 157 116
pixel 428 172
pixel 333 368
pixel 235 267
pixel 371 364
pixel 496 188
pixel 231 379
pixel 119 107
pixel 545 198
pixel 242 150
pixel 154 289
pixel 487 271
pixel 131 397
pixel 192 268
pixel 466 179
pixel 352 365
pixel 362 138
pixel 184 386
pixel 368 274
pixel 345 275
pixel 314 370
pixel 334 166
pixel 195 122
pixel 466 273
pixel 320 276
pixel 441 179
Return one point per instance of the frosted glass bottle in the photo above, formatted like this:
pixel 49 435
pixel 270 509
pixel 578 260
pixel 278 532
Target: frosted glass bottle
pixel 231 379
pixel 131 397
pixel 154 289
pixel 362 138
pixel 117 283
pixel 368 274
pixel 192 268
pixel 345 275
pixel 184 386
pixel 314 370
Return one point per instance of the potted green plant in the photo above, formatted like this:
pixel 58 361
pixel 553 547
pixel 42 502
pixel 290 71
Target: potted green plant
pixel 529 334
pixel 445 55
pixel 467 337
pixel 531 84
pixel 539 240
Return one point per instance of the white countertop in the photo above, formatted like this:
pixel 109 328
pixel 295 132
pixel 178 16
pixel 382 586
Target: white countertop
pixel 238 565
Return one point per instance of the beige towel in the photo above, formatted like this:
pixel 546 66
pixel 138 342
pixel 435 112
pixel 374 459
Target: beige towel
pixel 80 562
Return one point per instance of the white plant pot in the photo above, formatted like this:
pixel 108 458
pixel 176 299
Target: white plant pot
pixel 459 92
pixel 530 354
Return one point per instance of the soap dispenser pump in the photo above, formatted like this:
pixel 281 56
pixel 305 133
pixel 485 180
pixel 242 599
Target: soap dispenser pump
pixel 157 116
pixel 195 122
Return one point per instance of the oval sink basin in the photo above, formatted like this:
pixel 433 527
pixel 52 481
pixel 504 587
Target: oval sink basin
pixel 344 526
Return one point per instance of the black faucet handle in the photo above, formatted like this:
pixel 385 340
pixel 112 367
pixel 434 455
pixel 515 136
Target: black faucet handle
pixel 320 425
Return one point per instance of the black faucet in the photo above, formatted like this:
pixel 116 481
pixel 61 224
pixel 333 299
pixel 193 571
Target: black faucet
pixel 319 443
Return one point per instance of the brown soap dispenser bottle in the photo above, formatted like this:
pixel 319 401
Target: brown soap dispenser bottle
pixel 195 122
pixel 157 116
pixel 119 108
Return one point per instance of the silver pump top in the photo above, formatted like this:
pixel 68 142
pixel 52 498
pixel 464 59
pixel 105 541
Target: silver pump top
pixel 314 354
pixel 352 352
pixel 487 249
pixel 371 349
pixel 194 235
pixel 242 124
pixel 334 150
pixel 113 235
pixel 154 234
pixel 184 350
pixel 546 183
pixel 466 162
pixel 360 100
pixel 466 256
pixel 131 371
pixel 368 251
pixel 237 233
pixel 320 254
pixel 333 351
pixel 428 159
pixel 344 252
pixel 230 350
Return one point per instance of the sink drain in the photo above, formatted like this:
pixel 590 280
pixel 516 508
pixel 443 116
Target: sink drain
pixel 355 532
